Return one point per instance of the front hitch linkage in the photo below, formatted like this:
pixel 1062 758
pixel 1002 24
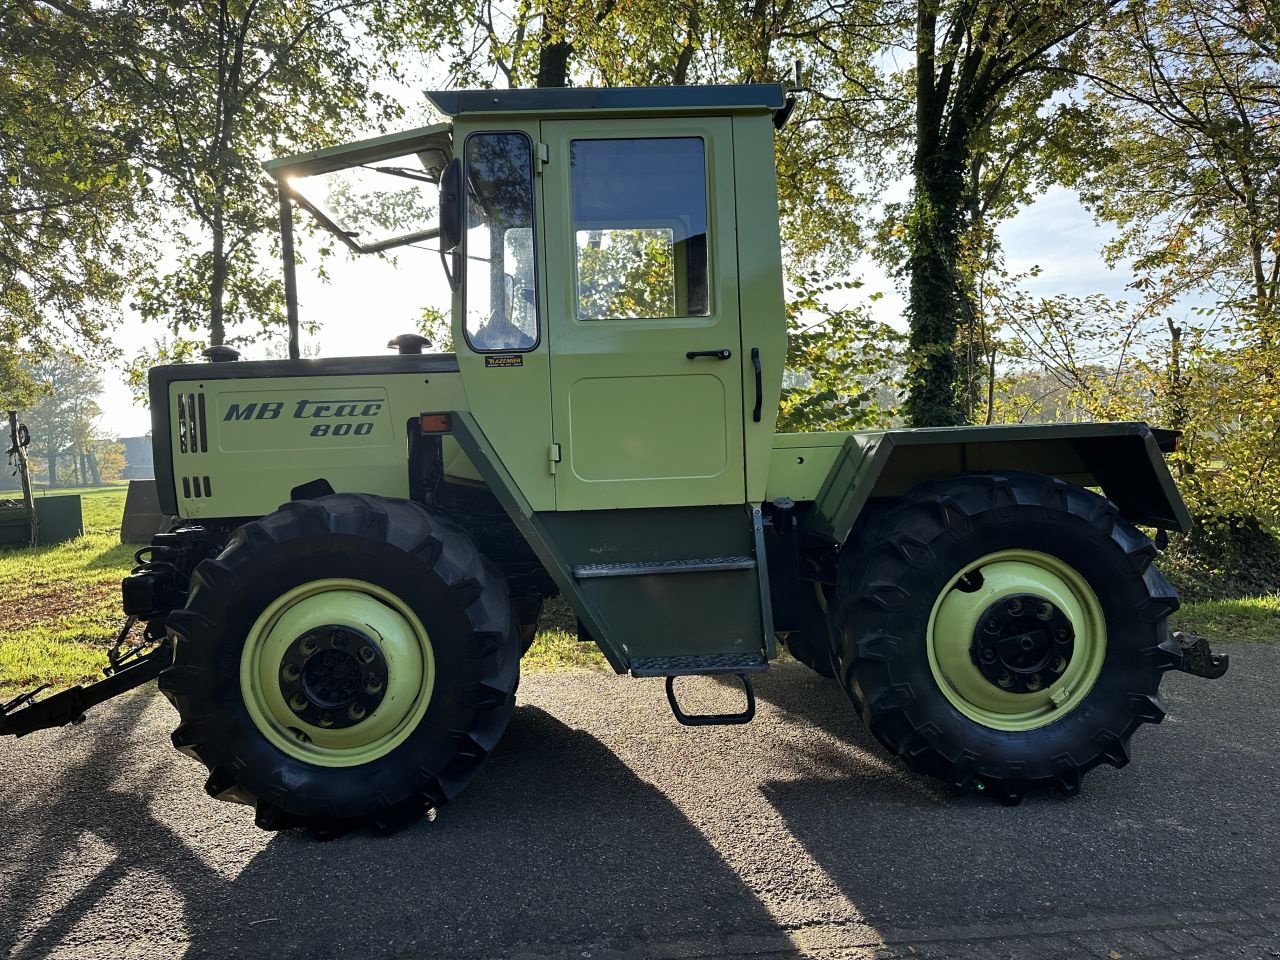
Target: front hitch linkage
pixel 157 585
pixel 24 714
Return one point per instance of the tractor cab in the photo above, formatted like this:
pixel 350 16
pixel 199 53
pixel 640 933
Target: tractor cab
pixel 616 281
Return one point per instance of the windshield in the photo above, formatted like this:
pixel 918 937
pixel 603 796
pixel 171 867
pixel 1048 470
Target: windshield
pixel 376 206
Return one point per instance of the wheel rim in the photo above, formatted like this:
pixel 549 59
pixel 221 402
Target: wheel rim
pixel 337 672
pixel 1016 640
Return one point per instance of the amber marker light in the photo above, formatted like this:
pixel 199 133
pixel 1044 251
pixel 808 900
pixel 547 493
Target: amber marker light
pixel 436 423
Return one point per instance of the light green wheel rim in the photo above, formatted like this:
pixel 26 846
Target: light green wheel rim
pixel 381 616
pixel 956 615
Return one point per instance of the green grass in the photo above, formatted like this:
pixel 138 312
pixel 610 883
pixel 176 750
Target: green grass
pixel 63 609
pixel 555 650
pixel 1247 620
pixel 62 604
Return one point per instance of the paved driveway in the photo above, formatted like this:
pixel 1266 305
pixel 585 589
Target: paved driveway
pixel 603 830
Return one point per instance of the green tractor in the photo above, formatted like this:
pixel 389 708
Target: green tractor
pixel 365 544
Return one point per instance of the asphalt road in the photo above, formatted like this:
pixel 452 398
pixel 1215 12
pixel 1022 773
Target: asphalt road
pixel 603 830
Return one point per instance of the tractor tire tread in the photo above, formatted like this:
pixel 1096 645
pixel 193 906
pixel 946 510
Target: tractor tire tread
pixel 874 589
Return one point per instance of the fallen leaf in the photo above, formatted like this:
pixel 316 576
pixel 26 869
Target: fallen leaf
pixel 1114 955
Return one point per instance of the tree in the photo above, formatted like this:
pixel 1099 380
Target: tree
pixel 69 191
pixel 973 60
pixel 222 85
pixel 1188 94
pixel 64 422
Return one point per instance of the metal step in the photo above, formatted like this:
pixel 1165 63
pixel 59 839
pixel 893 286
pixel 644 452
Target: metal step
pixel 586 571
pixel 699 665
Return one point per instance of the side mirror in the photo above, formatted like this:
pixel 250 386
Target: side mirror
pixel 451 205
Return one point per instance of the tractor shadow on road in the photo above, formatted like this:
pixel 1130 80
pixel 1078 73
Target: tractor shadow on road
pixel 557 845
pixel 1183 823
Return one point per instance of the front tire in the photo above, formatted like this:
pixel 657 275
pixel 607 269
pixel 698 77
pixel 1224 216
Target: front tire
pixel 344 661
pixel 1003 632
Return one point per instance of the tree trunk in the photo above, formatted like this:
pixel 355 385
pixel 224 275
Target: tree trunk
pixel 52 458
pixel 554 51
pixel 217 282
pixel 934 305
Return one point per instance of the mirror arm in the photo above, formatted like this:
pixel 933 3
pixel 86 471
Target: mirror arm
pixel 449 260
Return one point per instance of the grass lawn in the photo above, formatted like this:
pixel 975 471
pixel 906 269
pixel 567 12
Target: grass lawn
pixel 63 602
pixel 64 609
pixel 1247 620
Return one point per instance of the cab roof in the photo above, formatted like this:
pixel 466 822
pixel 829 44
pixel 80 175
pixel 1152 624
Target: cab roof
pixel 734 98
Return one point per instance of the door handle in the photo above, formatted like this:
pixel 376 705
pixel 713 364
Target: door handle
pixel 713 354
pixel 755 362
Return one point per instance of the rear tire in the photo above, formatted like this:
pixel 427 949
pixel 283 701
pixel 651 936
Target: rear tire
pixel 924 602
pixel 812 643
pixel 423 607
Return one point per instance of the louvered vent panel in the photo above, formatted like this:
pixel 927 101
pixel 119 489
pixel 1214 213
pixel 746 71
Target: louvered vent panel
pixel 196 488
pixel 193 433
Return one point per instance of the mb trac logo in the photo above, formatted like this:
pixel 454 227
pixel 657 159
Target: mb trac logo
pixel 353 417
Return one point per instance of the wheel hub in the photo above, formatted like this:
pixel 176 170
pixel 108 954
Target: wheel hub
pixel 333 676
pixel 1023 643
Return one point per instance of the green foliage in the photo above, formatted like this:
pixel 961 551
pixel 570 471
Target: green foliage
pixel 220 87
pixel 983 74
pixel 627 273
pixel 1187 94
pixel 1223 557
pixel 842 365
pixel 68 188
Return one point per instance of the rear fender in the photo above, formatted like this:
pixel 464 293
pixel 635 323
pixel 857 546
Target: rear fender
pixel 1125 460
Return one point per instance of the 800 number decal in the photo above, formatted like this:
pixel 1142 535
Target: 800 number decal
pixel 342 429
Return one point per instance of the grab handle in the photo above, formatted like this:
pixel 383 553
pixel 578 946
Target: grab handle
pixel 755 362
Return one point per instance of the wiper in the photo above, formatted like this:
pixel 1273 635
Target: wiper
pixel 406 172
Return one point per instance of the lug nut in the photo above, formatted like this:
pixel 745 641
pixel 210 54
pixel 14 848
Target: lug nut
pixel 308 646
pixel 356 711
pixel 367 654
pixel 290 672
pixel 298 702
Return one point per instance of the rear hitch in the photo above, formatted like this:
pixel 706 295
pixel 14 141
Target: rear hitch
pixel 1197 659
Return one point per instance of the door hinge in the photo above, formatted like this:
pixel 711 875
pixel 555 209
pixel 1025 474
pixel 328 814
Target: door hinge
pixel 554 456
pixel 544 155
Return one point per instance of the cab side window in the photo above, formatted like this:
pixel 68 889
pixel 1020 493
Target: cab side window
pixel 500 295
pixel 640 228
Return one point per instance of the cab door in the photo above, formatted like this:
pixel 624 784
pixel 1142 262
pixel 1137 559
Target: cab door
pixel 646 366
